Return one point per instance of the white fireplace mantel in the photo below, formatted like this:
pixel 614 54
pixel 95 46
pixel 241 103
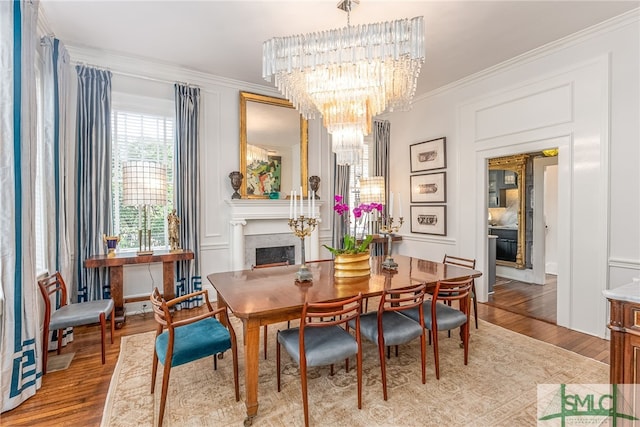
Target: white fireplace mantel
pixel 260 217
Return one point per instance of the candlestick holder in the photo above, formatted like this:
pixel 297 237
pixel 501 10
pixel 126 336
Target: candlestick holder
pixel 387 228
pixel 303 227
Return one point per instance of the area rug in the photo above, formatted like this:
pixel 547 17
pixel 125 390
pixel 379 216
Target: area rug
pixel 59 362
pixel 497 388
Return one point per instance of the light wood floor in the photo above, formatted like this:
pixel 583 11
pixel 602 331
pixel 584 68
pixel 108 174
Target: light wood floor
pixel 75 397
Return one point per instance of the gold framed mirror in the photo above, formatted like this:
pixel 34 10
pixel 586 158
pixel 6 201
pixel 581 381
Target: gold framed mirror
pixel 273 147
pixel 506 204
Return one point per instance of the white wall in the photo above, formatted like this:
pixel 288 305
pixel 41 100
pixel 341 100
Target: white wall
pixel 597 76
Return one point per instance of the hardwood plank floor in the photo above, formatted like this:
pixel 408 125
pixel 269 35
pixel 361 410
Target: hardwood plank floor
pixel 75 397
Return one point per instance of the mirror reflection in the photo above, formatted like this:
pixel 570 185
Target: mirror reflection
pixel 273 147
pixel 506 209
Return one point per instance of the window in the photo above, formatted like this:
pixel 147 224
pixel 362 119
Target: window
pixel 142 129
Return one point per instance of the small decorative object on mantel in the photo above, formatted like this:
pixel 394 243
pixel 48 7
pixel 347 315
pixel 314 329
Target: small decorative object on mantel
pixel 112 243
pixel 314 184
pixel 352 260
pixel 387 228
pixel 174 232
pixel 236 181
pixel 302 227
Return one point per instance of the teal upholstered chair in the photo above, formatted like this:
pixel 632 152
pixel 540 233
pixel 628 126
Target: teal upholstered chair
pixel 439 316
pixel 70 315
pixel 321 341
pixel 387 327
pixel 188 339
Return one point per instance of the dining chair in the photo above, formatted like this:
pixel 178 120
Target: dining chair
pixel 439 316
pixel 264 328
pixel 188 339
pixel 465 263
pixel 70 315
pixel 387 326
pixel 321 341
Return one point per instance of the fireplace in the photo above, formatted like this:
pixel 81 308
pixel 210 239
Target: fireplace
pixel 276 254
pixel 261 223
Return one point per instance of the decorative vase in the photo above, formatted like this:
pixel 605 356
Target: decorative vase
pixel 236 183
pixel 351 265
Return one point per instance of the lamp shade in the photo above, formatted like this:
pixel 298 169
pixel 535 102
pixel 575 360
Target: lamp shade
pixel 144 183
pixel 372 190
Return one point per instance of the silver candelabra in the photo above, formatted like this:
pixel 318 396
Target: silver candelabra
pixel 387 228
pixel 303 227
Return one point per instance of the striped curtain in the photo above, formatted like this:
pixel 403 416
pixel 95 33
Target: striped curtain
pixel 340 187
pixel 187 189
pixel 380 166
pixel 94 212
pixel 56 141
pixel 20 345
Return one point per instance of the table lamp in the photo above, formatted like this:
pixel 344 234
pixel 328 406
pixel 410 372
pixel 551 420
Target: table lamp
pixel 144 185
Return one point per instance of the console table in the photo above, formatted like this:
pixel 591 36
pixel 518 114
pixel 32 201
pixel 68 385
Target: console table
pixel 116 273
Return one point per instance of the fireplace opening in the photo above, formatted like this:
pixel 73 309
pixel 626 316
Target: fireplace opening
pixel 276 254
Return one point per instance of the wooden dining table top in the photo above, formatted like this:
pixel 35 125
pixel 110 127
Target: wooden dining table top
pixel 264 292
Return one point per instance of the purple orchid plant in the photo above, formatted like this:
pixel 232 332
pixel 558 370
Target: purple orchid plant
pixel 360 213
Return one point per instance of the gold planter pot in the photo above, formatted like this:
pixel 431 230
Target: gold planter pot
pixel 352 265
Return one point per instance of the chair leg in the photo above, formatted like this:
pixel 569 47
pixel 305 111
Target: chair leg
pixel 234 353
pixel 436 357
pixel 465 341
pixel 278 362
pixel 475 301
pixel 264 328
pixel 165 388
pixel 45 348
pixel 383 367
pixel 359 363
pixel 154 371
pixel 423 355
pixel 305 400
pixel 103 334
pixel 60 334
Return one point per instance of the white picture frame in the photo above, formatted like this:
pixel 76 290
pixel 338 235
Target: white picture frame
pixel 429 188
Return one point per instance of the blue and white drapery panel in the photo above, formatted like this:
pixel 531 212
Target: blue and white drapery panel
pixel 340 187
pixel 93 210
pixel 187 188
pixel 380 155
pixel 21 349
pixel 55 158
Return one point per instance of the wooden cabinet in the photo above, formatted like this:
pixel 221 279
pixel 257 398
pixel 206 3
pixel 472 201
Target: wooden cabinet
pixel 499 182
pixel 506 244
pixel 625 341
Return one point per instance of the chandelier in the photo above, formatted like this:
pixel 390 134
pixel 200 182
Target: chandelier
pixel 348 75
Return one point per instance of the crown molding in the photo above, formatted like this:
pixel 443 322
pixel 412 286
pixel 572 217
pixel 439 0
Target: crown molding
pixel 613 24
pixel 143 68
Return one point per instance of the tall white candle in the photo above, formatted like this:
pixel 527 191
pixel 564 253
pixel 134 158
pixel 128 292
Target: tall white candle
pixel 391 205
pixel 291 206
pixel 295 207
pixel 309 213
pixel 313 203
pixel 400 204
pixel 301 204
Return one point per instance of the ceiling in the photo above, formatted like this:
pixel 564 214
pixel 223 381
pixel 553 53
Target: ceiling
pixel 225 38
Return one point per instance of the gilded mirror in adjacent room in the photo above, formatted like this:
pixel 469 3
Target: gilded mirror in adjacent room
pixel 273 147
pixel 506 199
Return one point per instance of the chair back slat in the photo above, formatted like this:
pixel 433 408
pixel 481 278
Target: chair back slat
pixel 453 290
pixel 460 262
pixel 160 310
pixel 401 299
pixel 53 284
pixel 331 313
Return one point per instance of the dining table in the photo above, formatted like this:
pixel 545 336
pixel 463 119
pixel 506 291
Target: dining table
pixel 261 297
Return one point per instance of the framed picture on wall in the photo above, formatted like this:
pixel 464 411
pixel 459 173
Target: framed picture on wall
pixel 429 219
pixel 429 188
pixel 428 155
